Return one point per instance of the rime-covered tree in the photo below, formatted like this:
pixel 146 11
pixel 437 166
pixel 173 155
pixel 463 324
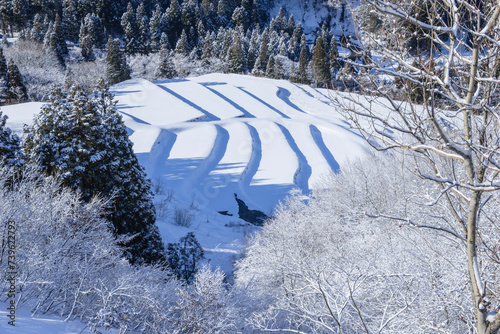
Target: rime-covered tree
pixel 58 41
pixel 117 69
pixel 261 62
pixel 17 91
pixel 130 29
pixel 143 35
pixel 166 69
pixel 235 57
pixel 70 22
pixel 157 26
pixel 87 49
pixel 38 28
pixel 452 135
pixel 93 28
pixel 10 148
pixel 83 139
pixel 320 64
pixel 182 46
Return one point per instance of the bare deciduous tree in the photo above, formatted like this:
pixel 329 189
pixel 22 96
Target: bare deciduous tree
pixel 447 114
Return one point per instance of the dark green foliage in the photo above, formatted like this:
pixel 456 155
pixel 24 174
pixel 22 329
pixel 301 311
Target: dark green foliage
pixel 58 42
pixel 86 49
pixel 10 149
pixel 236 58
pixel 166 70
pixel 157 25
pixel 303 63
pixel 184 257
pixel 261 62
pixel 130 29
pixel 320 64
pixel 143 35
pixel 117 69
pixel 93 28
pixel 70 22
pixel 182 46
pixel 16 90
pixel 83 139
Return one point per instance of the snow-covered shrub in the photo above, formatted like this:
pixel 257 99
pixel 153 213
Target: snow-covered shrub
pixel 184 257
pixel 38 65
pixel 206 306
pixel 327 267
pixel 68 261
pixel 182 216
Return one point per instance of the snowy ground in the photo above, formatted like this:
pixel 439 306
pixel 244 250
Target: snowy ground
pixel 204 139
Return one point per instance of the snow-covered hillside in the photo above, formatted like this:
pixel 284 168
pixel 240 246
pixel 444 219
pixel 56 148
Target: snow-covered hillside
pixel 204 139
pixel 218 135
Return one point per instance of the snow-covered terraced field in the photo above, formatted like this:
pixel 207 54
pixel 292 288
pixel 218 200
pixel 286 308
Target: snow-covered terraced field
pixel 217 135
pixel 207 138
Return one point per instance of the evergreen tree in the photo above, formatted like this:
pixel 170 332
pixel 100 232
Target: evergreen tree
pixel 38 29
pixel 17 91
pixel 173 15
pixel 334 55
pixel 184 256
pixel 48 34
pixel 224 12
pixel 261 62
pixel 294 46
pixel 166 70
pixel 156 27
pixel 10 149
pixel 129 26
pixel 208 46
pixel 270 67
pixel 240 17
pixel 182 46
pixel 235 58
pixel 20 10
pixel 93 28
pixel 253 48
pixel 4 87
pixel 58 42
pixel 143 36
pixel 189 14
pixel 117 69
pixel 164 43
pixel 320 64
pixel 87 50
pixel 70 20
pixel 84 140
pixel 303 62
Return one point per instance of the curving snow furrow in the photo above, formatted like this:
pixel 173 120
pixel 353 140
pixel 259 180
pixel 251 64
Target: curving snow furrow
pixel 201 98
pixel 303 173
pixel 224 180
pixel 196 180
pixel 278 166
pixel 318 138
pixel 145 102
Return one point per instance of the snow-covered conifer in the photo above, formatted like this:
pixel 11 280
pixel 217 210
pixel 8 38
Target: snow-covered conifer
pixel 83 139
pixel 117 69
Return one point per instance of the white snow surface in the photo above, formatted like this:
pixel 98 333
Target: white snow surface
pixel 204 139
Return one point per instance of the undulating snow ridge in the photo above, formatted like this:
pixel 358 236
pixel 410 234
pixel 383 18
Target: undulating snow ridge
pixel 212 136
pixel 204 139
